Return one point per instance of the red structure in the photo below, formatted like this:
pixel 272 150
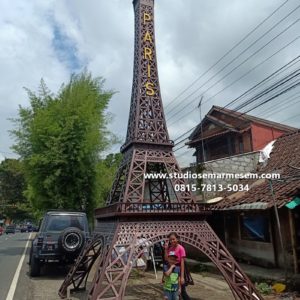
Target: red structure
pixel 142 211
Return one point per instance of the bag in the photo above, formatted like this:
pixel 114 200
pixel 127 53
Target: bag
pixel 188 280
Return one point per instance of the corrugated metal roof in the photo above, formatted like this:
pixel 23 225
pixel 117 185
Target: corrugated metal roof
pixel 245 206
pixel 286 153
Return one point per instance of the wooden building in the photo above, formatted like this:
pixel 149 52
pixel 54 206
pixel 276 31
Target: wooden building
pixel 225 133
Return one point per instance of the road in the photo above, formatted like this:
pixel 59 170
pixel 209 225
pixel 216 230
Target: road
pixel 11 250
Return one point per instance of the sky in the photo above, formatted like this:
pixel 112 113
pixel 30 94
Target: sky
pixel 55 38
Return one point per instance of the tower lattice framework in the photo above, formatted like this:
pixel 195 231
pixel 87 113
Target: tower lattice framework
pixel 140 210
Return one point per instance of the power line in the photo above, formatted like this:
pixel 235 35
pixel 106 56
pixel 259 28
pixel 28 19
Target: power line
pixel 295 22
pixel 248 91
pixel 235 68
pixel 269 89
pixel 192 110
pixel 275 96
pixel 240 54
pixel 293 117
pixel 184 153
pixel 184 134
pixel 282 105
pixel 228 52
pixel 179 148
pixel 256 86
pixel 281 92
pixel 255 67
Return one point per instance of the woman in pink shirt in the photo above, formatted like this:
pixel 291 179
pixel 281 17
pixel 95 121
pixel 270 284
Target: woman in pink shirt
pixel 174 246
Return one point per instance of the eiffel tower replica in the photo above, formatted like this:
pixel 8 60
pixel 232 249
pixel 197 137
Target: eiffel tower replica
pixel 142 211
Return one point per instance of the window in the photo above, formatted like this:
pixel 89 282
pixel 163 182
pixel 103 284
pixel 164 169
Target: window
pixel 255 228
pixel 61 222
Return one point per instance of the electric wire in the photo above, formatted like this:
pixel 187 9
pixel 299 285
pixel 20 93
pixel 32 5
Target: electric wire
pixel 232 70
pixel 281 107
pixel 253 88
pixel 258 85
pixel 193 109
pixel 228 52
pixel 281 92
pixel 255 67
pixel 234 59
pixel 269 89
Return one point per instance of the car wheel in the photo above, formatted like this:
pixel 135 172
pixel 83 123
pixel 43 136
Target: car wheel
pixel 35 266
pixel 72 239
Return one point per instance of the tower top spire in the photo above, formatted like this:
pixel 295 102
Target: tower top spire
pixel 144 2
pixel 146 123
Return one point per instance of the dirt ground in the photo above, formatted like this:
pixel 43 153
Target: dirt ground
pixel 207 286
pixel 141 286
pixel 145 286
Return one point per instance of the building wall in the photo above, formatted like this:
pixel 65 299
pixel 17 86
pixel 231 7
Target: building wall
pixel 250 251
pixel 258 253
pixel 266 254
pixel 242 163
pixel 262 135
pixel 247 142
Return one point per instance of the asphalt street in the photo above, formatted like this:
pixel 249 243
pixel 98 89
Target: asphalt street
pixel 11 250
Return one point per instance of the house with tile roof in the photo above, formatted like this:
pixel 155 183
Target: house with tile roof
pixel 251 223
pixel 225 133
pixel 231 142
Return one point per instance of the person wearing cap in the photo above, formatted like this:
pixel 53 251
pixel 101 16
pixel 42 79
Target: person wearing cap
pixel 171 277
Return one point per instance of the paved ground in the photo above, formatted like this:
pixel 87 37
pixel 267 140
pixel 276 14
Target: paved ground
pixel 11 249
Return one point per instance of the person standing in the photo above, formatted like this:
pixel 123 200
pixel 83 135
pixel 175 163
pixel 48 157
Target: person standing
pixel 174 246
pixel 171 277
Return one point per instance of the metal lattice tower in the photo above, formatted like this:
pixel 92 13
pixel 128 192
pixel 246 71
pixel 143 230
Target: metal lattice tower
pixel 141 211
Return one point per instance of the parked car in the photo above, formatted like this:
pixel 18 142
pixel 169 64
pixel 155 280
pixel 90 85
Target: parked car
pixel 23 228
pixel 34 228
pixel 61 236
pixel 10 229
pixel 29 228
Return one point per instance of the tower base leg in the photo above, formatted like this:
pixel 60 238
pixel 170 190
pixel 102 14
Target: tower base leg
pixel 127 241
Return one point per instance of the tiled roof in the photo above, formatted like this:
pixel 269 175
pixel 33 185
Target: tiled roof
pixel 286 153
pixel 255 119
pixel 244 118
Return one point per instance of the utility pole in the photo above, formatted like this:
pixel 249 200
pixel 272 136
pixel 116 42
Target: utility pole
pixel 199 106
pixel 202 143
pixel 279 229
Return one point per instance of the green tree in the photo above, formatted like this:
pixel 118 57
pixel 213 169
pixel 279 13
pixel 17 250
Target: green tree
pixel 107 169
pixel 13 204
pixel 60 138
